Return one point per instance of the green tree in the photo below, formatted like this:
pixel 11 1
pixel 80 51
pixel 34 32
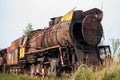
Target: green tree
pixel 115 43
pixel 27 29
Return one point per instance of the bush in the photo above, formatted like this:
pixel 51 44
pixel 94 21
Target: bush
pixel 111 72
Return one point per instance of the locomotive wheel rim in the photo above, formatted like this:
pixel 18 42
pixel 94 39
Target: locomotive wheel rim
pixel 91 30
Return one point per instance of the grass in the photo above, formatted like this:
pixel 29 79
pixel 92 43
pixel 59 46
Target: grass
pixel 109 73
pixel 26 77
pixel 15 77
pixel 112 73
pixel 83 74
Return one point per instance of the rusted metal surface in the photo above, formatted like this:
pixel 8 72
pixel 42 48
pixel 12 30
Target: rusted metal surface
pixel 95 12
pixel 15 56
pixel 56 35
pixel 64 45
pixel 12 57
pixel 9 58
pixel 91 30
pixel 93 59
pixel 15 44
pixel 34 42
pixel 1 61
pixel 85 28
pixel 13 51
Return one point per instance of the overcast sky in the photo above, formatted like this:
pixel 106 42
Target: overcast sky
pixel 16 14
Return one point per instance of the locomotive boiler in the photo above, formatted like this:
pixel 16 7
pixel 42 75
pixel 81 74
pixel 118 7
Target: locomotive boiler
pixel 81 27
pixel 69 42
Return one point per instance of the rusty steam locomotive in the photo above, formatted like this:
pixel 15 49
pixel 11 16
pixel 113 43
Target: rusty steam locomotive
pixel 69 42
